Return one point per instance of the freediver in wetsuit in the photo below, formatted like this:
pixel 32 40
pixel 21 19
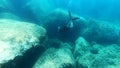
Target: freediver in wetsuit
pixel 66 30
pixel 69 25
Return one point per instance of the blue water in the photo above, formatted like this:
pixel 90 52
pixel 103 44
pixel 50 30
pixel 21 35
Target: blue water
pixel 38 12
pixel 98 9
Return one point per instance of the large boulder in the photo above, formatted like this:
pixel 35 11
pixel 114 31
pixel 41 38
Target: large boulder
pixel 56 58
pixel 102 32
pixel 17 37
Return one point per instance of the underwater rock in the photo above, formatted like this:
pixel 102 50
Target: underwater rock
pixel 110 56
pixel 106 57
pixel 102 56
pixel 102 32
pixel 59 18
pixel 17 37
pixel 56 58
pixel 81 47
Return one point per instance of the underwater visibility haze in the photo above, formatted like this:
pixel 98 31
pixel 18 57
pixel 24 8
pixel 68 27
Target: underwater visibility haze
pixel 59 34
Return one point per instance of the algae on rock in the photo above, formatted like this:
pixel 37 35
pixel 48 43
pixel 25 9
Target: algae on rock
pixel 17 37
pixel 56 58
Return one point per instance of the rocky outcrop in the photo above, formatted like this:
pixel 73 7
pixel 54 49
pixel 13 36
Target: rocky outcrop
pixel 81 47
pixel 17 37
pixel 102 32
pixel 95 55
pixel 56 58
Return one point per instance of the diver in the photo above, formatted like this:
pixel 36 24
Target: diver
pixel 67 31
pixel 69 25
